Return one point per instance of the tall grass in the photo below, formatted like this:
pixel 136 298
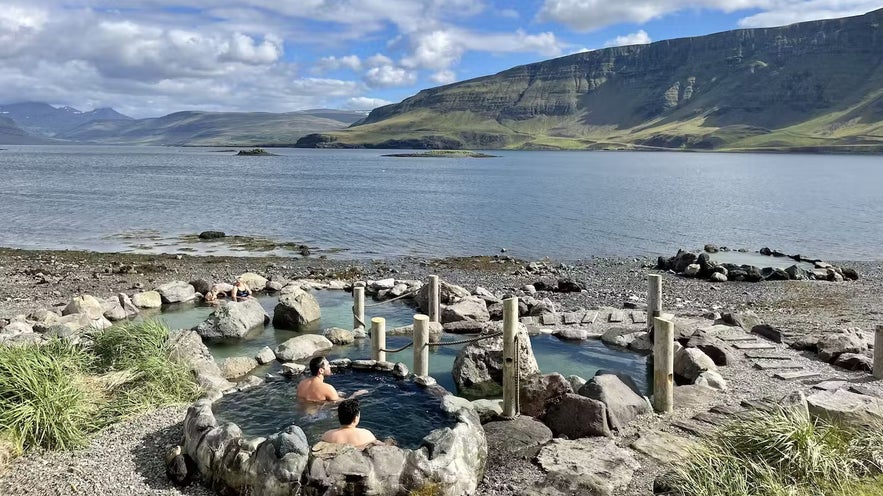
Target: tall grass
pixel 782 453
pixel 53 396
pixel 43 399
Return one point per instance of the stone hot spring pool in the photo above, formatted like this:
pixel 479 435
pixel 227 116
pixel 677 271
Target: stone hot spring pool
pixel 582 358
pixel 395 408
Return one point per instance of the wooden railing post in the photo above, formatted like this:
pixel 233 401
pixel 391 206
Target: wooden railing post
pixel 654 299
pixel 421 340
pixel 663 365
pixel 878 352
pixel 358 306
pixel 510 364
pixel 378 339
pixel 433 299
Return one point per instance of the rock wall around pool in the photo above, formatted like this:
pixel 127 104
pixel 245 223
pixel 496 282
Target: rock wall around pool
pixel 450 461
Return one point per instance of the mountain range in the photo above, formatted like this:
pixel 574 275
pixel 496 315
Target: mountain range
pixel 41 123
pixel 805 87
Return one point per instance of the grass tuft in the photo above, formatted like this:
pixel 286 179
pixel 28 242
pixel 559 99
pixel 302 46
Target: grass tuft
pixel 783 453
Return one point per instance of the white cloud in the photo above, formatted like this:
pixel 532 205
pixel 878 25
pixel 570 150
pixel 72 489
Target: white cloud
pixel 378 60
pixel 365 103
pixel 782 12
pixel 440 49
pixel 639 38
pixel 387 76
pixel 444 77
pixel 352 62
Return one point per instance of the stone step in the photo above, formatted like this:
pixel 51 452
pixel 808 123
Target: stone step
pixel 549 319
pixel 790 376
pixel 639 317
pixel 762 405
pixel 713 419
pixel 694 427
pixel 572 318
pixel 767 356
pixel 727 409
pixel 776 364
pixel 615 316
pixel 589 317
pixel 754 346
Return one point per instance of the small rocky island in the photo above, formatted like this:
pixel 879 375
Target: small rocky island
pixel 443 154
pixel 255 152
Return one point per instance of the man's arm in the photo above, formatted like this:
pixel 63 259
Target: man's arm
pixel 331 393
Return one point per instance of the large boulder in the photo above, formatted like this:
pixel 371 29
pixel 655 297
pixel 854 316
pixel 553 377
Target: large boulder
pixel 471 308
pixel 622 336
pixel 478 368
pixel 235 319
pixel 234 367
pixel 576 416
pixel 303 346
pixel 187 347
pixel 339 336
pixel 522 437
pixel 622 403
pixel 85 304
pixel 176 292
pixel 537 391
pixel 448 294
pixel 127 305
pixel 113 311
pixel 254 281
pixel 850 340
pixel 296 308
pixel 147 299
pixel 587 466
pixel 846 408
pixel 689 363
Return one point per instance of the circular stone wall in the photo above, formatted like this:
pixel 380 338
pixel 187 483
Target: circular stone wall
pixel 450 460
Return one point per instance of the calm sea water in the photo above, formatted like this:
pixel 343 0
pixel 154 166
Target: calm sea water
pixel 565 205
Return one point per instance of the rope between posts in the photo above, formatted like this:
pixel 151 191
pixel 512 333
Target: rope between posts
pixel 397 349
pixel 412 293
pixel 466 341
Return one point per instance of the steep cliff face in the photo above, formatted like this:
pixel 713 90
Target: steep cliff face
pixel 714 91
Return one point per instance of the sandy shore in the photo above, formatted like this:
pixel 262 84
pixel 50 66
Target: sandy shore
pixel 129 452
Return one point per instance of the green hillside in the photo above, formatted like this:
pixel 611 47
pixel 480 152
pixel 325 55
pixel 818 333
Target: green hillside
pixel 810 86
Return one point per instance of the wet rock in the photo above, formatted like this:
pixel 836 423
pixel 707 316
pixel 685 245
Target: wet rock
pixel 479 365
pixel 470 308
pixel 234 367
pixel 621 336
pixel 296 308
pixel 234 319
pixel 147 299
pixel 176 292
pixel 201 286
pixel 339 336
pixel 303 346
pixel 264 356
pixel 576 382
pixel 212 234
pixel 292 369
pixel 255 282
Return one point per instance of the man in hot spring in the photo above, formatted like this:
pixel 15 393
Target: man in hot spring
pixel 348 414
pixel 314 388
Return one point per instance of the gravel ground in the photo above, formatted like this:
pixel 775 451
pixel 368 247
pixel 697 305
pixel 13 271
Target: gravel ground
pixel 126 459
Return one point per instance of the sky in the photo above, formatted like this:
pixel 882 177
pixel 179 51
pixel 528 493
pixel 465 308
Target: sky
pixel 147 58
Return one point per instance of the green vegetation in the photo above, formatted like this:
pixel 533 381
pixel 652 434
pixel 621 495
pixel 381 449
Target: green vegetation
pixel 784 453
pixel 53 396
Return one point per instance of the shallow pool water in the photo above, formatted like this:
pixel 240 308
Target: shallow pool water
pixel 392 408
pixel 756 259
pixel 582 358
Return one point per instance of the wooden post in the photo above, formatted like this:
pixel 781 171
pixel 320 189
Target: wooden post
pixel 878 352
pixel 358 306
pixel 663 365
pixel 654 300
pixel 421 340
pixel 510 369
pixel 378 339
pixel 433 299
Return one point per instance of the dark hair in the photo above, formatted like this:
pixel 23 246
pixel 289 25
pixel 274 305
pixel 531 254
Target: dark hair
pixel 316 365
pixel 347 411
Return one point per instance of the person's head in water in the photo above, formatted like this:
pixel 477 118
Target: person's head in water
pixel 348 412
pixel 317 365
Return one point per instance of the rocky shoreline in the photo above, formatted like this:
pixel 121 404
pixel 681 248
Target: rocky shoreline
pixel 49 279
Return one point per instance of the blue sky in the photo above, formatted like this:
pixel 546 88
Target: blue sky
pixel 152 57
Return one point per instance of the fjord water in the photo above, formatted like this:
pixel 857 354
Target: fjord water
pixel 565 205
